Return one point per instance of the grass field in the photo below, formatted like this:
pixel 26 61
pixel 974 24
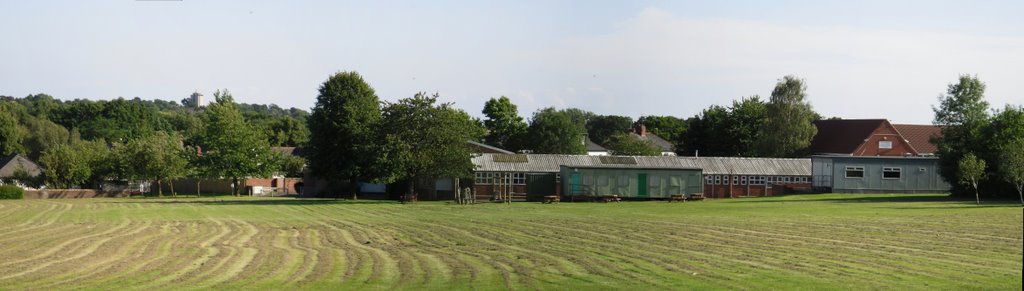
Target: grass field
pixel 805 241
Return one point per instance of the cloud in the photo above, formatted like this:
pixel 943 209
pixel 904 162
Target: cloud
pixel 660 63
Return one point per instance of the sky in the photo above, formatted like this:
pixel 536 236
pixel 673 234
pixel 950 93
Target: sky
pixel 859 59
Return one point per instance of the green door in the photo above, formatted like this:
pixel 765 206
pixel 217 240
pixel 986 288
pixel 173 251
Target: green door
pixel 574 184
pixel 641 182
pixel 539 185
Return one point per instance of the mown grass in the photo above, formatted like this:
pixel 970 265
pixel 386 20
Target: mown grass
pixel 827 241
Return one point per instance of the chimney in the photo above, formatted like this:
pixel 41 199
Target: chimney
pixel 643 130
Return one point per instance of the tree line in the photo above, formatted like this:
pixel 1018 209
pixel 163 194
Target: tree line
pixel 82 143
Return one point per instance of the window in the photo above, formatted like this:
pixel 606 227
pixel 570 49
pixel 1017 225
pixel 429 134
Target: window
pixel 519 178
pixel 654 181
pixel 756 180
pixel 718 180
pixel 588 180
pixel 891 172
pixel 735 180
pixel 558 177
pixel 743 180
pixel 602 181
pixel 483 178
pixel 884 144
pixel 624 181
pixel 854 172
pixel 709 180
pixel 787 179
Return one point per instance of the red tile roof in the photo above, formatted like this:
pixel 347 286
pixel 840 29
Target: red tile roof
pixel 842 136
pixel 919 136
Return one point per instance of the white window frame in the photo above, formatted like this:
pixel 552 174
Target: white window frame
pixel 885 144
pixel 743 180
pixel 518 178
pixel 897 170
pixel 846 172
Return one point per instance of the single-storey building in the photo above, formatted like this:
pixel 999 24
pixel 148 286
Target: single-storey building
pixel 852 174
pixel 629 182
pixel 726 177
pixel 13 163
pixel 531 176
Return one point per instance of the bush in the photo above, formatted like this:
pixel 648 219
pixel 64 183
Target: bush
pixel 11 192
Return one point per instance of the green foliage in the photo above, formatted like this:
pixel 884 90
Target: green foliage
pixel 601 128
pixel 286 131
pixel 231 148
pixel 158 157
pixel 1011 166
pixel 728 132
pixel 962 113
pixel 343 142
pixel 11 192
pixel 789 128
pixel 44 135
pixel 292 166
pixel 623 144
pixel 67 165
pixel 117 120
pixel 670 128
pixel 505 128
pixel 970 170
pixel 11 132
pixel 425 141
pixel 555 132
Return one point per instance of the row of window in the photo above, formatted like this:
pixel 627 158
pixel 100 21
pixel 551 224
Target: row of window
pixel 487 178
pixel 753 180
pixel 857 172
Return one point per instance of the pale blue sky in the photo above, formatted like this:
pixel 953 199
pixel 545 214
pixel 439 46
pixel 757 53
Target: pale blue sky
pixel 609 57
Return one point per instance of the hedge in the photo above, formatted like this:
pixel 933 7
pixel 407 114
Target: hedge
pixel 11 192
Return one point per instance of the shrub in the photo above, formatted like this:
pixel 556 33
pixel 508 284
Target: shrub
pixel 11 192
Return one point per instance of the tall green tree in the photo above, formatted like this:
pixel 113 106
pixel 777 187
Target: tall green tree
pixel 789 128
pixel 601 128
pixel 747 117
pixel 1004 138
pixel 343 143
pixel 970 171
pixel 82 163
pixel 231 148
pixel 962 113
pixel 425 140
pixel 670 128
pixel 555 132
pixel 706 134
pixel 505 128
pixel 1011 166
pixel 11 132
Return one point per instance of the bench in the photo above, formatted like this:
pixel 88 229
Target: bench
pixel 552 199
pixel 677 197
pixel 611 198
pixel 696 197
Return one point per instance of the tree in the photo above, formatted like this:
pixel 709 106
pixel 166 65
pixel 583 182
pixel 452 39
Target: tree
pixel 962 113
pixel 670 128
pixel 231 148
pixel 1005 139
pixel 601 128
pixel 555 132
pixel 75 164
pixel 159 157
pixel 623 144
pixel 706 133
pixel 789 127
pixel 42 136
pixel 971 169
pixel 746 119
pixel 504 126
pixel 343 143
pixel 1011 166
pixel 292 166
pixel 11 132
pixel 425 141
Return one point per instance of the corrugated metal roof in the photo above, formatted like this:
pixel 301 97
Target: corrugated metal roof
pixel 538 163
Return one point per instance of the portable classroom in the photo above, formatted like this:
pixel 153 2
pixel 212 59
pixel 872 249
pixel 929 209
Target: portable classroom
pixel 853 174
pixel 630 182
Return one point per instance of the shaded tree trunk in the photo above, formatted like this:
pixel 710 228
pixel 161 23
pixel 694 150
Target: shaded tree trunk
pixel 234 186
pixel 171 183
pixel 1020 191
pixel 977 197
pixel 197 187
pixel 353 183
pixel 159 188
